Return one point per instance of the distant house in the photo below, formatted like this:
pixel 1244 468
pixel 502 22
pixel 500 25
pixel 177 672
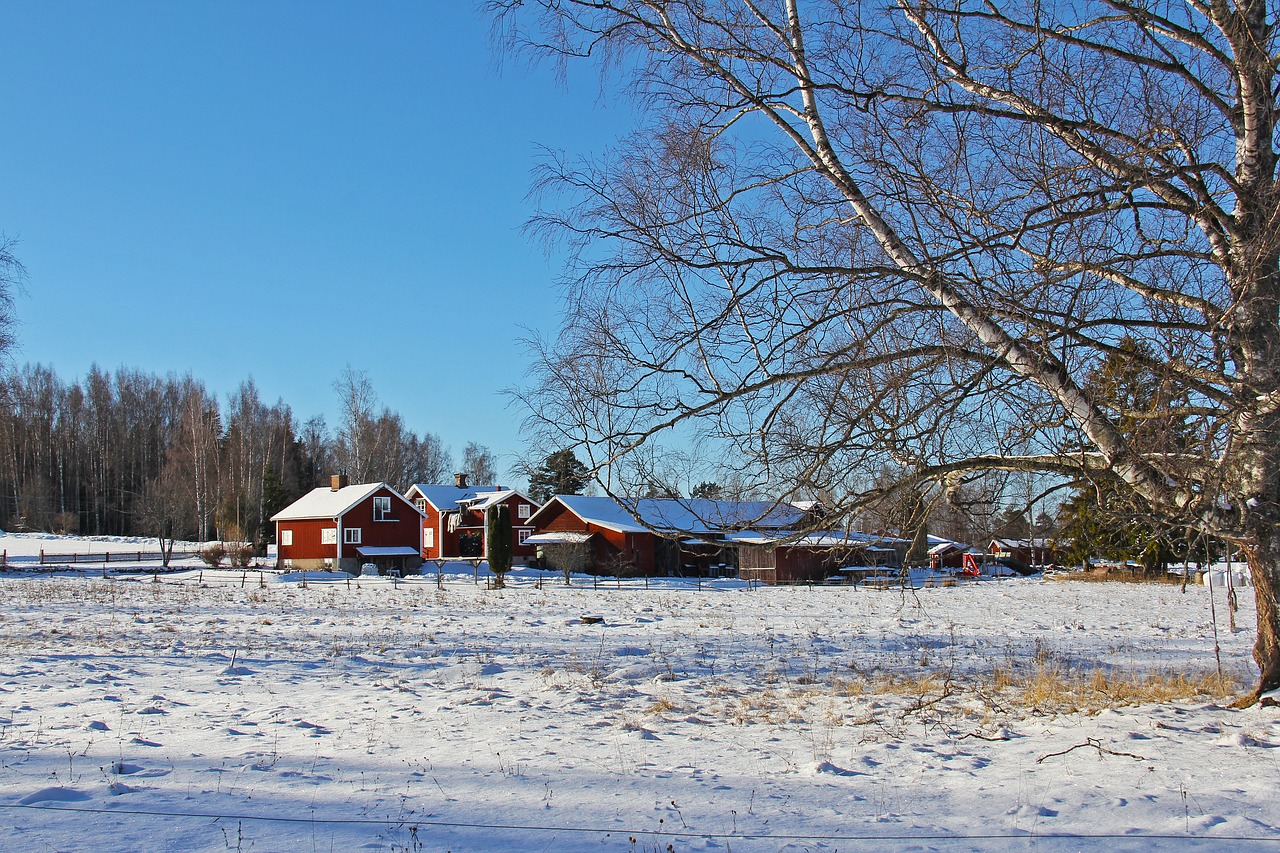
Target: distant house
pixel 788 558
pixel 671 536
pixel 348 527
pixel 454 519
pixel 1032 552
pixel 946 554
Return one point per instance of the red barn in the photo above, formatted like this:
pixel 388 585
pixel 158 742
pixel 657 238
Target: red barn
pixel 454 519
pixel 348 527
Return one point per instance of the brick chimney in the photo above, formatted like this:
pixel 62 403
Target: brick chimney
pixel 460 480
pixel 337 481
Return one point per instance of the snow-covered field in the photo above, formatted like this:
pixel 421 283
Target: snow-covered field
pixel 215 711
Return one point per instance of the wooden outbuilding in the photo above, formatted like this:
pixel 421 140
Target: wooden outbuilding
pixel 783 558
pixel 1031 552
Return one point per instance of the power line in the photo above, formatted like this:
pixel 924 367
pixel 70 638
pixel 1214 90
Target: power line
pixel 729 836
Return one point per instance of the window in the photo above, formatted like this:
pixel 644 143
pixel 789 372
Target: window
pixel 522 535
pixel 429 537
pixel 329 536
pixel 524 511
pixel 421 504
pixel 351 536
pixel 382 509
pixel 286 537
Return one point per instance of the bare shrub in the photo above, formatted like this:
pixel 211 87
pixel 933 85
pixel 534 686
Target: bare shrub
pixel 66 522
pixel 213 554
pixel 240 554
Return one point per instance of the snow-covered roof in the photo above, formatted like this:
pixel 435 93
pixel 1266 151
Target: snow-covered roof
pixel 821 539
pixel 483 500
pixel 386 551
pixel 324 502
pixel 444 497
pixel 690 515
pixel 557 538
pixel 1023 543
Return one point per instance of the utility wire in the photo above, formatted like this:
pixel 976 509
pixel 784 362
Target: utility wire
pixel 730 836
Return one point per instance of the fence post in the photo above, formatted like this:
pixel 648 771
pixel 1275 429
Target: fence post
pixel 42 556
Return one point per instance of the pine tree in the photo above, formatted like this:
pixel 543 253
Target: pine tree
pixel 561 473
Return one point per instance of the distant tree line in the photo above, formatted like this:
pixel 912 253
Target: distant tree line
pixel 133 453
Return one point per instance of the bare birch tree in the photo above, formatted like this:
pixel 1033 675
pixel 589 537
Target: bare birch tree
pixel 851 235
pixel 12 276
pixel 479 463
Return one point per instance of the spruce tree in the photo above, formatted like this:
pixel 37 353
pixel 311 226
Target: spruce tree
pixel 499 545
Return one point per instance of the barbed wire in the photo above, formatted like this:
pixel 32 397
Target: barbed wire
pixel 667 833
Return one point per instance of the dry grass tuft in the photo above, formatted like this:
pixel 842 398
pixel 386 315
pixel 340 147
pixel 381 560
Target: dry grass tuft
pixel 1046 686
pixel 1119 577
pixel 1053 688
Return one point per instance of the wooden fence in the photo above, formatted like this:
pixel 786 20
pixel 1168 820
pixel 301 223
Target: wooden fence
pixel 111 556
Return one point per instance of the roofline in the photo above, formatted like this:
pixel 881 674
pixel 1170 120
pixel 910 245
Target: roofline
pixel 606 525
pixel 350 506
pixel 438 508
pixel 514 492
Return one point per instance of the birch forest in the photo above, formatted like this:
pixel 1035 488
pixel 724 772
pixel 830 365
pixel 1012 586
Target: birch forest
pixel 134 453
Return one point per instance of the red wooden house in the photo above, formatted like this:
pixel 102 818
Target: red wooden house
pixel 671 537
pixel 454 519
pixel 350 527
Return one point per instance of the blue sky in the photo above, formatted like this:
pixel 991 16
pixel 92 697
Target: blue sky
pixel 277 190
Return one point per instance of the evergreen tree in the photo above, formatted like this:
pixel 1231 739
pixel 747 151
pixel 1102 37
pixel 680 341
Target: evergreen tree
pixel 498 521
pixel 1102 519
pixel 561 473
pixel 707 491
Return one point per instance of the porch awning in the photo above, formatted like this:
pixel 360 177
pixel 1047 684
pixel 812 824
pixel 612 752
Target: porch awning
pixel 387 551
pixel 564 538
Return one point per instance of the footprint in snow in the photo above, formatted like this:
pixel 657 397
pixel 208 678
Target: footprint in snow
pixel 315 728
pixel 1029 810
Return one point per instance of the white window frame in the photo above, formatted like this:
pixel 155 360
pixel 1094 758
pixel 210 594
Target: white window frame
pixel 524 512
pixel 382 508
pixel 429 537
pixel 329 536
pixel 421 504
pixel 351 535
pixel 523 534
pixel 286 537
